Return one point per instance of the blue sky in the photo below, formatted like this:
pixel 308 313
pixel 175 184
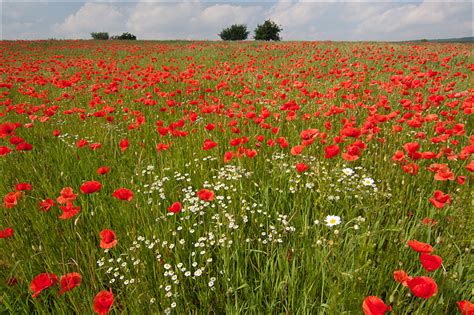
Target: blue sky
pixel 203 19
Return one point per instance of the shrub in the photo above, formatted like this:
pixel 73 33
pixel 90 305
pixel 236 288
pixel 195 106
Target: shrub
pixel 235 32
pixel 125 36
pixel 269 30
pixel 100 35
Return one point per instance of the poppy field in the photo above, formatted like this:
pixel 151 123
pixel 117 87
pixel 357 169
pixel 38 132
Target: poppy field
pixel 261 178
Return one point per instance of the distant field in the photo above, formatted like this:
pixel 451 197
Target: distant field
pixel 212 178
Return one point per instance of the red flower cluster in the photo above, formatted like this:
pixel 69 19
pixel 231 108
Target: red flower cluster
pixel 44 281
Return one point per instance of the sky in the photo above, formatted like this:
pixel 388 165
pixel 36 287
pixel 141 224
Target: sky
pixel 377 20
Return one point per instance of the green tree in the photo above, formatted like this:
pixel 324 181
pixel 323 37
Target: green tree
pixel 269 30
pixel 125 36
pixel 235 32
pixel 100 35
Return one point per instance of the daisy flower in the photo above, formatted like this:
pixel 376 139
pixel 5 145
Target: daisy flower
pixel 332 220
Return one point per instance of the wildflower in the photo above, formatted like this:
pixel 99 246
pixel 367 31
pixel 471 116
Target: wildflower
pixel 69 211
pixel 402 277
pixel 373 305
pixel 11 199
pixel 42 282
pixel 420 247
pixel 69 282
pixel 108 239
pixel 123 194
pixel 103 301
pixel 6 233
pixel 423 287
pixel 466 307
pixel 175 207
pixel 332 220
pixel 90 187
pixel 430 262
pixel 206 195
pixel 348 171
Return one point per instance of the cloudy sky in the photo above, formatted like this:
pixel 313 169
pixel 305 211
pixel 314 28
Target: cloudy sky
pixel 204 19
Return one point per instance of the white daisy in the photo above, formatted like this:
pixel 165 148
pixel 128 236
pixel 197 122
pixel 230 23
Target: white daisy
pixel 367 181
pixel 348 171
pixel 332 220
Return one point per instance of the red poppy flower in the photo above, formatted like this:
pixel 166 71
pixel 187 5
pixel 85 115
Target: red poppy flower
pixel 444 174
pixel 108 239
pixel 250 153
pixel 411 168
pixel 466 307
pixel 46 205
pixel 16 140
pixel 331 151
pixel 461 180
pixel 206 195
pixel 81 143
pixel 401 276
pixel 103 301
pixel 11 199
pixel 301 167
pixel 296 150
pixel 470 166
pixel 4 150
pixel 420 247
pixel 123 194
pixel 430 262
pixel 6 233
pixel 440 199
pixel 175 207
pixel 23 187
pixel 8 128
pixel 124 144
pixel 90 187
pixel 412 149
pixel 69 282
pixel 24 146
pixel 208 144
pixel 42 282
pixel 423 287
pixel 103 170
pixel 69 211
pixel 162 147
pixel 373 305
pixel 228 156
pixel 67 195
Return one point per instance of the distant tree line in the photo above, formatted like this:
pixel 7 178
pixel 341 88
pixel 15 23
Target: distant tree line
pixel 269 30
pixel 105 36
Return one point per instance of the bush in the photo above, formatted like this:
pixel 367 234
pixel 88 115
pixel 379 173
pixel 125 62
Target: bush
pixel 269 30
pixel 100 35
pixel 125 36
pixel 235 32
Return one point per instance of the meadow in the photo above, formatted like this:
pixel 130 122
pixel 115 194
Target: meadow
pixel 238 178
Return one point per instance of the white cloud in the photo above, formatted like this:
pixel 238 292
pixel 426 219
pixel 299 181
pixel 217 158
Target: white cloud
pixel 92 17
pixel 424 20
pixel 187 20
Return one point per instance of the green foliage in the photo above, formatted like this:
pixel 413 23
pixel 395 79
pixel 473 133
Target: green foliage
pixel 124 36
pixel 100 35
pixel 269 30
pixel 234 32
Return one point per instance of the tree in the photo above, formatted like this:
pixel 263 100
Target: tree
pixel 125 36
pixel 235 32
pixel 100 35
pixel 269 30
